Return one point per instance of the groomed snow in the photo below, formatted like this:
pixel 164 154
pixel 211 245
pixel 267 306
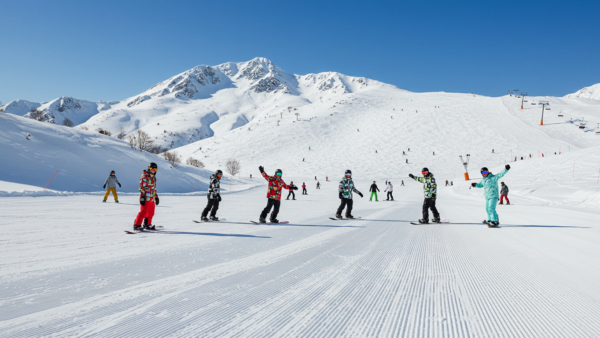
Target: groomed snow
pixel 81 275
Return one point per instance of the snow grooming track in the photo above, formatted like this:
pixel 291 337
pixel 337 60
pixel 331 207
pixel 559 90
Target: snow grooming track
pixel 104 313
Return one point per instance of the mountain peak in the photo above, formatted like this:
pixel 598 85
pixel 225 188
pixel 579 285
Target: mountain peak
pixel 591 92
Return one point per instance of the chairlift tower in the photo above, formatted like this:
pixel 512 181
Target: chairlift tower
pixel 465 164
pixel 543 104
pixel 523 98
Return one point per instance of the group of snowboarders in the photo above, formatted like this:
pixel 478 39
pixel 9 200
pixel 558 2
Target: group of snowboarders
pixel 149 198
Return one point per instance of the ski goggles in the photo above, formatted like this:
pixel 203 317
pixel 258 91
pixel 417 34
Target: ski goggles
pixel 485 173
pixel 152 169
pixel 424 172
pixel 278 174
pixel 219 175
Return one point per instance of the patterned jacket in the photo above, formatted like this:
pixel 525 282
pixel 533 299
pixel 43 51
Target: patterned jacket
pixel 504 190
pixel 276 185
pixel 148 186
pixel 429 185
pixel 214 189
pixel 347 187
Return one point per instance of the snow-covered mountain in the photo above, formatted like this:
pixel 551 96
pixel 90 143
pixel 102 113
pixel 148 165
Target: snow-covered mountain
pixel 19 107
pixel 591 92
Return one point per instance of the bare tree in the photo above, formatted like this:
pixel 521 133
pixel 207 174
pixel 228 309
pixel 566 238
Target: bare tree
pixel 37 115
pixel 297 115
pixel 156 149
pixel 68 123
pixel 172 157
pixel 140 140
pixel 194 162
pixel 84 128
pixel 104 132
pixel 121 134
pixel 233 167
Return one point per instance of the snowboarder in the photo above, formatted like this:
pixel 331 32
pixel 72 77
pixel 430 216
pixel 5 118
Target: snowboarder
pixel 213 196
pixel 318 185
pixel 345 193
pixel 112 182
pixel 402 184
pixel 451 183
pixel 446 182
pixel 293 187
pixel 276 184
pixel 490 185
pixel 389 189
pixel 403 153
pixel 304 192
pixel 407 161
pixel 504 193
pixel 148 198
pixel 373 191
pixel 315 178
pixel 430 190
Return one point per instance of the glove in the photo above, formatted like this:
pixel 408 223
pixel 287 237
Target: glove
pixel 473 184
pixel 411 175
pixel 156 200
pixel 142 201
pixel 104 186
pixel 219 197
pixel 360 194
pixel 340 195
pixel 119 185
pixel 261 169
pixel 295 188
pixel 507 167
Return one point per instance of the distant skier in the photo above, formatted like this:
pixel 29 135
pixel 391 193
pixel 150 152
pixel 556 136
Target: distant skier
pixel 373 191
pixel 213 196
pixel 402 184
pixel 276 184
pixel 504 193
pixel 390 190
pixel 446 182
pixel 326 178
pixel 403 153
pixel 430 190
pixel 345 193
pixel 148 198
pixel 292 188
pixel 318 185
pixel 492 151
pixel 112 182
pixel 451 183
pixel 304 192
pixel 407 161
pixel 490 185
pixel 386 183
pixel 315 178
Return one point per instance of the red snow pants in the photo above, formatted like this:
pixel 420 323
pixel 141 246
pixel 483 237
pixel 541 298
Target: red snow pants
pixel 502 197
pixel 146 211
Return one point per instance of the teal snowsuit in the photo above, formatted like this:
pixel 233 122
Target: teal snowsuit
pixel 490 185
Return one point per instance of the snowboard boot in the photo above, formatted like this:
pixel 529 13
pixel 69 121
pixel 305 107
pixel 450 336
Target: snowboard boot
pixel 214 219
pixel 116 201
pixel 507 203
pixel 137 227
pixel 349 216
pixel 150 227
pixel 338 216
pixel 262 220
pixel 436 220
pixel 104 201
pixel 424 221
pixel 203 219
pixel 495 224
pixel 274 220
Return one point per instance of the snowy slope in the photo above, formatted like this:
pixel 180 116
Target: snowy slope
pixel 345 133
pixel 591 92
pixel 20 107
pixel 84 159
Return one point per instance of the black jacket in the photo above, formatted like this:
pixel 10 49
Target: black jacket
pixel 373 188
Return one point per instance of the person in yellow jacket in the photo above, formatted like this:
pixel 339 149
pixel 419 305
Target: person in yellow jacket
pixel 112 182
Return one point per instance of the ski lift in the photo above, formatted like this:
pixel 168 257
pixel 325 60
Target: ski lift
pixel 525 100
pixel 547 108
pixel 582 124
pixel 533 103
pixel 560 114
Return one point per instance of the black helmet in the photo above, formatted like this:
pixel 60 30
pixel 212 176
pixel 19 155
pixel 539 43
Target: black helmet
pixel 279 171
pixel 425 169
pixel 219 172
pixel 502 183
pixel 484 169
pixel 112 172
pixel 348 172
pixel 152 165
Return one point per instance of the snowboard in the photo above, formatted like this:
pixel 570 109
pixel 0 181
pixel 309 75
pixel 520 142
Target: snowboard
pixel 282 222
pixel 220 220
pixel 490 225
pixel 442 221
pixel 157 228
pixel 343 219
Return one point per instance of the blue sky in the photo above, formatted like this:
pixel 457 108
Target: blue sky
pixel 111 50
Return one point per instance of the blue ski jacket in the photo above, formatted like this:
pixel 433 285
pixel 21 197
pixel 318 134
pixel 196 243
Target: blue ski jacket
pixel 490 184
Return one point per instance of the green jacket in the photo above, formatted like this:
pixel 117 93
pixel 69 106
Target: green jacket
pixel 490 184
pixel 429 185
pixel 347 187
